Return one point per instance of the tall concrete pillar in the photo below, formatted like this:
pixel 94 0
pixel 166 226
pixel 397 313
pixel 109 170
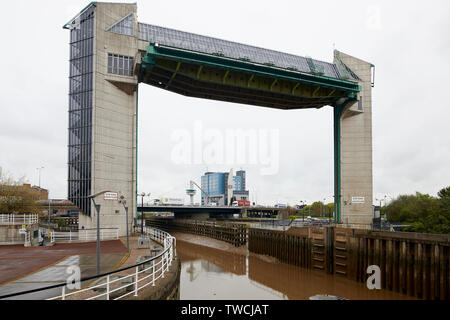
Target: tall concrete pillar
pixel 114 100
pixel 353 146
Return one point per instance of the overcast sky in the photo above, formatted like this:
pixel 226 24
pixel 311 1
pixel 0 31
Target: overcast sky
pixel 407 41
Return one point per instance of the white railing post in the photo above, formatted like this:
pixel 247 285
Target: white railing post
pixel 136 283
pixel 154 271
pixel 63 295
pixel 162 265
pixel 107 287
pixel 168 263
pixel 70 235
pixel 174 245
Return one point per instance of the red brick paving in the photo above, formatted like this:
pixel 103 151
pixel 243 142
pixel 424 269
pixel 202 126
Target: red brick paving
pixel 17 261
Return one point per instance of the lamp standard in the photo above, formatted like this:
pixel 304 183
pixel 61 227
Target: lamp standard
pixel 49 201
pixel 97 209
pixel 124 202
pixel 303 212
pixel 39 169
pixel 143 194
pixel 323 207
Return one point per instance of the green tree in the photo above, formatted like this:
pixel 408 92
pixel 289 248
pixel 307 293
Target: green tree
pixel 422 212
pixel 444 202
pixel 317 208
pixel 329 209
pixel 14 198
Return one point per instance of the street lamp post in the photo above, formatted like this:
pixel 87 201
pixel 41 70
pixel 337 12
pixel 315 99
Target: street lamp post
pixel 49 201
pixel 97 209
pixel 142 213
pixel 303 212
pixel 39 169
pixel 143 239
pixel 124 202
pixel 143 194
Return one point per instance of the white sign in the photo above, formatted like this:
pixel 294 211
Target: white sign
pixel 111 196
pixel 358 200
pixel 22 231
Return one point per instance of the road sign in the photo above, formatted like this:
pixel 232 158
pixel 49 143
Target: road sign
pixel 111 196
pixel 358 200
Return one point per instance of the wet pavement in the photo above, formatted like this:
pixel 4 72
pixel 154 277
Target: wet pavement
pixel 35 267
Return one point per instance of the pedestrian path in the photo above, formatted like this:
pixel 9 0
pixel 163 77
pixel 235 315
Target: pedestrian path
pixel 35 267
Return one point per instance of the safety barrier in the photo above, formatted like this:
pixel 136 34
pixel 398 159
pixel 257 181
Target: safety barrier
pixel 124 282
pixel 18 219
pixel 233 233
pixel 86 235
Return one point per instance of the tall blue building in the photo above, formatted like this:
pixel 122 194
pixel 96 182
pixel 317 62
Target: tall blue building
pixel 215 185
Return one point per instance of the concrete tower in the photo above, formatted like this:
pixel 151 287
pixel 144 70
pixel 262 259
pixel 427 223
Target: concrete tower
pixel 191 192
pixel 355 143
pixel 102 111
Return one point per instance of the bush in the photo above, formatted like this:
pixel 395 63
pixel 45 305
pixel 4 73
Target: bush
pixel 425 214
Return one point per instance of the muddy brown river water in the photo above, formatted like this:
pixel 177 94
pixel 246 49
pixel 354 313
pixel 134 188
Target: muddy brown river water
pixel 212 269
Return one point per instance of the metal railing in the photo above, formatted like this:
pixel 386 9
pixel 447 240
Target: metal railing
pixel 51 236
pixel 18 219
pixel 354 226
pixel 272 224
pixel 124 282
pixel 86 235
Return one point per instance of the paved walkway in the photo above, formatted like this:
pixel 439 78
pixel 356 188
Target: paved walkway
pixel 134 255
pixel 24 268
pixel 33 267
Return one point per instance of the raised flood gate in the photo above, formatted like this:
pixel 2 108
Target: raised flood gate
pixel 410 263
pixel 233 233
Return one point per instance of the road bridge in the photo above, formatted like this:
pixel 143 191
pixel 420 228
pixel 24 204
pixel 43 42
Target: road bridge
pixel 217 212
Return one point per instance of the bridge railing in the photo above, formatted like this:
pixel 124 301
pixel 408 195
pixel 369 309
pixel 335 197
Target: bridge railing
pixel 86 235
pixel 233 233
pixel 18 219
pixel 124 282
pixel 117 286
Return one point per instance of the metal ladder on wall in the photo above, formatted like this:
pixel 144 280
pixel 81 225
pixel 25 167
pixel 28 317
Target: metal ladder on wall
pixel 318 254
pixel 340 254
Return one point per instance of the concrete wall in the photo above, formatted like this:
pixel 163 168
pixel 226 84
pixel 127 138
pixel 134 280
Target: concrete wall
pixel 356 148
pixel 11 235
pixel 114 121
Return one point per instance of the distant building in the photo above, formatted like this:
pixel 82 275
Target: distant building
pixel 240 192
pixel 220 189
pixel 60 210
pixel 58 207
pixel 40 193
pixel 36 192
